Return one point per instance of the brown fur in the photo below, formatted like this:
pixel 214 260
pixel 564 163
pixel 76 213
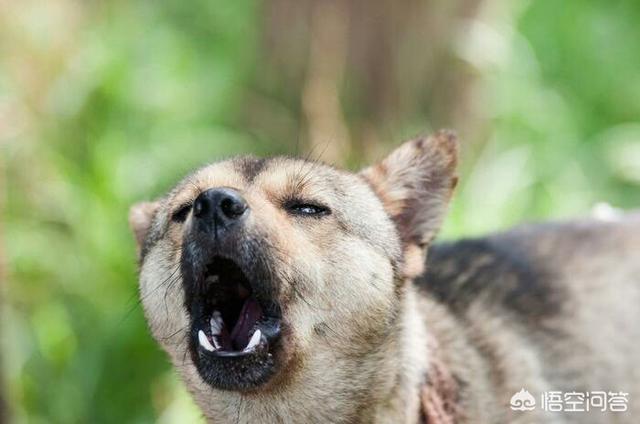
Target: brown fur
pixel 369 336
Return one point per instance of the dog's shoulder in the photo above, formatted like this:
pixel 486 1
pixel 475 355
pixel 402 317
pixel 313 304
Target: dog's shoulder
pixel 492 270
pixel 525 269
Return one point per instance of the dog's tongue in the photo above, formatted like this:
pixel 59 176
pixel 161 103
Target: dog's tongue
pixel 249 315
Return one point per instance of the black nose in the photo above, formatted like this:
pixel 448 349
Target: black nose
pixel 219 207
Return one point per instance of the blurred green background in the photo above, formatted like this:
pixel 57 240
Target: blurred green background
pixel 104 103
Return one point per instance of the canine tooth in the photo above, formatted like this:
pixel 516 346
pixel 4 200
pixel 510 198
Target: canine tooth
pixel 255 339
pixel 215 342
pixel 216 324
pixel 204 341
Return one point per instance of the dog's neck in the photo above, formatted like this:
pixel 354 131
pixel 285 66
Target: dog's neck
pixel 427 392
pixel 439 394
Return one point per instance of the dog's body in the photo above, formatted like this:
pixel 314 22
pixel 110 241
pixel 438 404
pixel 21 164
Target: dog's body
pixel 548 307
pixel 320 274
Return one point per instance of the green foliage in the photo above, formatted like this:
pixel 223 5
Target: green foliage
pixel 560 91
pixel 143 100
pixel 149 90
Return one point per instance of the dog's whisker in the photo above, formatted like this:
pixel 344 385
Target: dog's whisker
pixel 150 293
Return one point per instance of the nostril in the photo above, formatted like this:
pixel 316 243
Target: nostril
pixel 199 207
pixel 219 205
pixel 233 207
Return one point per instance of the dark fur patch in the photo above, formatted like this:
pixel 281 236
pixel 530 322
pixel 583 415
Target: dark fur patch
pixel 493 271
pixel 157 232
pixel 152 239
pixel 251 167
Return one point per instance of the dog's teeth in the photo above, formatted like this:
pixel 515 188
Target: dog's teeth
pixel 212 279
pixel 204 341
pixel 216 323
pixel 255 339
pixel 215 342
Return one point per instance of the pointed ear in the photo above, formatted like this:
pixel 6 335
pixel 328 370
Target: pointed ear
pixel 140 217
pixel 415 183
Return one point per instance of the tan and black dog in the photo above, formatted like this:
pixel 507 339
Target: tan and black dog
pixel 288 291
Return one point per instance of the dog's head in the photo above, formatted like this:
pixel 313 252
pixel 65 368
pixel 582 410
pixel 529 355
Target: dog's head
pixel 253 269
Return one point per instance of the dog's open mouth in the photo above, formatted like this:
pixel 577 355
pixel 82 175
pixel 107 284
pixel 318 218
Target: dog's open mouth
pixel 233 325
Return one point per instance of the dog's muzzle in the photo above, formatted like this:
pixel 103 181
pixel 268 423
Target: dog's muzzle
pixel 230 296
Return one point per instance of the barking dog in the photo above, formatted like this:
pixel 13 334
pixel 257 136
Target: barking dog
pixel 290 291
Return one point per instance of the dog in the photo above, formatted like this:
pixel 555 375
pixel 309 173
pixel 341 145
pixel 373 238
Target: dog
pixel 289 291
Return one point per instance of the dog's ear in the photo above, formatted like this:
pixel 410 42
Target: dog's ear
pixel 140 218
pixel 415 183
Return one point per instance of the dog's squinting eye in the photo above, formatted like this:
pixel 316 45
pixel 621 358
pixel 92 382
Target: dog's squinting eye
pixel 180 214
pixel 307 209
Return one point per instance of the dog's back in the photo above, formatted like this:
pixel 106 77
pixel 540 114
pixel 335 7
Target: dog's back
pixel 554 307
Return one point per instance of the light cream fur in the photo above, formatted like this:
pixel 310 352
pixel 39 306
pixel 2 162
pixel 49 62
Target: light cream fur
pixel 363 337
